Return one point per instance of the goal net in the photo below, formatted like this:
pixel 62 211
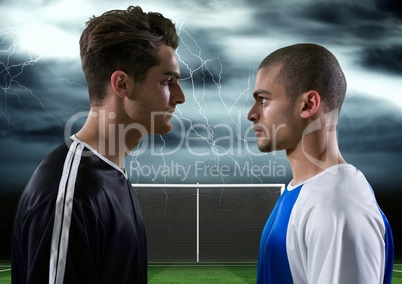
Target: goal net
pixel 208 223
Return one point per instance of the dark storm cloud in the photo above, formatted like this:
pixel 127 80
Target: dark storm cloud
pixel 195 133
pixel 327 22
pixel 12 68
pixel 37 100
pixel 347 20
pixel 370 125
pixel 352 21
pixel 67 70
pixel 340 14
pixel 200 76
pixel 372 28
pixel 47 134
pixel 20 158
pixel 202 61
pixel 40 82
pixel 394 7
pixel 387 59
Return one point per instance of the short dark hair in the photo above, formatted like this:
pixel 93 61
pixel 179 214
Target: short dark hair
pixel 126 40
pixel 308 67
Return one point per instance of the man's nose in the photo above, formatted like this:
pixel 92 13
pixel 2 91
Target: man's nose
pixel 178 96
pixel 252 114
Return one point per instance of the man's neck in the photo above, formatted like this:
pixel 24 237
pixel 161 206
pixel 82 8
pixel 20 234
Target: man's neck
pixel 102 133
pixel 314 154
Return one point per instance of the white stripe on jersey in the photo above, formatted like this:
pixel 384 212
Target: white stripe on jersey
pixel 63 211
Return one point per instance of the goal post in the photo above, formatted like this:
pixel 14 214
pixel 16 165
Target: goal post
pixel 205 222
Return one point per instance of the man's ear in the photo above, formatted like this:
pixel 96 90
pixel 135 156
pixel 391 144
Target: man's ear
pixel 311 102
pixel 120 82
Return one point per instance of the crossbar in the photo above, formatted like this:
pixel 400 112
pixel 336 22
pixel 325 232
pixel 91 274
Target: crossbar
pixel 205 185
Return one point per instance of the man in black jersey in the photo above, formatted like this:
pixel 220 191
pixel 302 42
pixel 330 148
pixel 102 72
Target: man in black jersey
pixel 78 219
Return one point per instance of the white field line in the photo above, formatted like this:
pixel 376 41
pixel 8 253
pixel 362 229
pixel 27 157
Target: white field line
pixel 199 265
pixel 203 265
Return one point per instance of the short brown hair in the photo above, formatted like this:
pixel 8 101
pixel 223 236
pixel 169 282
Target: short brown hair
pixel 308 67
pixel 126 40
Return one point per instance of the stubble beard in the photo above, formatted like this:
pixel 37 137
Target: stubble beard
pixel 265 145
pixel 163 125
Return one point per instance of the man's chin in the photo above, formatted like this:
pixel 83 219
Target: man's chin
pixel 265 148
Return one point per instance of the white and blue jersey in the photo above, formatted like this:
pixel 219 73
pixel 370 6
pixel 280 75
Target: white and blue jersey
pixel 329 229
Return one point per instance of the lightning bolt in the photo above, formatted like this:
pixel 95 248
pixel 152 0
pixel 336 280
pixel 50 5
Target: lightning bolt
pixel 12 68
pixel 9 73
pixel 189 41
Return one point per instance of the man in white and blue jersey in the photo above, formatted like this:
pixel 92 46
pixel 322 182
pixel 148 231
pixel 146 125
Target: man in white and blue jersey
pixel 326 226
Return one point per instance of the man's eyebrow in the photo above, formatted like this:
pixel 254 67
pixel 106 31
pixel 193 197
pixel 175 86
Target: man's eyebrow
pixel 172 73
pixel 261 92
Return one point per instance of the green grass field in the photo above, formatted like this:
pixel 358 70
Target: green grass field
pixel 180 274
pixel 199 273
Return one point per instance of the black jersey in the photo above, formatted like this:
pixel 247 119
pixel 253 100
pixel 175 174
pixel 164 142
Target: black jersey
pixel 78 220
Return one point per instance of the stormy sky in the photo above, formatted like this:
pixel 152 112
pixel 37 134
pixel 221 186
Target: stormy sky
pixel 43 89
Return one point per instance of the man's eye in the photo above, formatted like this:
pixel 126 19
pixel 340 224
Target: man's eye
pixel 263 100
pixel 168 81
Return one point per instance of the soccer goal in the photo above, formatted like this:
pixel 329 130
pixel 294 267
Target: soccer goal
pixel 207 223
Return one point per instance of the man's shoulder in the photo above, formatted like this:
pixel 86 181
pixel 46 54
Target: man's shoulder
pixel 93 178
pixel 339 176
pixel 43 184
pixel 53 161
pixel 50 168
pixel 343 188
